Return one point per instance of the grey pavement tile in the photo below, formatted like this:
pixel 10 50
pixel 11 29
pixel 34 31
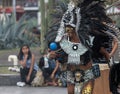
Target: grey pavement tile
pixel 32 90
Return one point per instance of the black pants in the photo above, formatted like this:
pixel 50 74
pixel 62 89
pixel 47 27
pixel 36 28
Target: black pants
pixel 48 71
pixel 24 72
pixel 114 78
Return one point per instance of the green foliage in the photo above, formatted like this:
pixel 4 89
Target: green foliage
pixel 109 2
pixel 14 34
pixel 56 15
pixel 118 21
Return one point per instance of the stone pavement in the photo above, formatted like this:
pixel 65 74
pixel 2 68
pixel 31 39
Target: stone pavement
pixel 32 90
pixel 9 79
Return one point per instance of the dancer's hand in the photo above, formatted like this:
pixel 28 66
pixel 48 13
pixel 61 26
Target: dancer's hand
pixel 58 38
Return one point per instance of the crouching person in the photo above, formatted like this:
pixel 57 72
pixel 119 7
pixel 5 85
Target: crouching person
pixel 50 68
pixel 28 68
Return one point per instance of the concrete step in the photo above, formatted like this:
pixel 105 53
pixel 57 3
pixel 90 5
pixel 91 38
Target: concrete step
pixel 9 79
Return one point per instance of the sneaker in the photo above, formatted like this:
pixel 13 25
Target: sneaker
pixel 21 84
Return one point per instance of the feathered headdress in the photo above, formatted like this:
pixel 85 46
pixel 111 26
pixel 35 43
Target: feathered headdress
pixel 88 17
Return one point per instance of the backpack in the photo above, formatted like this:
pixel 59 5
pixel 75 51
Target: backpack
pixel 41 62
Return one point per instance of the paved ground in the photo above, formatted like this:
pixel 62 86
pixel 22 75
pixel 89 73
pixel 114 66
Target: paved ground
pixel 32 90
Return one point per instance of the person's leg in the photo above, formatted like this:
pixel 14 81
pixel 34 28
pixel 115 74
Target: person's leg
pixel 70 80
pixel 56 77
pixel 118 77
pixel 70 88
pixel 54 82
pixel 23 73
pixel 45 73
pixel 112 79
pixel 32 77
pixel 88 87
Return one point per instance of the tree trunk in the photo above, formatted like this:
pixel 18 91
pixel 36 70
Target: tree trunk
pixel 43 26
pixel 50 8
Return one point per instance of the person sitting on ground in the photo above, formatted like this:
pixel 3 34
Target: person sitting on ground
pixel 50 68
pixel 43 64
pixel 28 68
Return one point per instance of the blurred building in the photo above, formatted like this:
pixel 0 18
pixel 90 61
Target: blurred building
pixel 30 7
pixel 113 9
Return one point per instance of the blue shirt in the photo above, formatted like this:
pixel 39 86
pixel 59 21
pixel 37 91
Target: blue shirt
pixel 28 64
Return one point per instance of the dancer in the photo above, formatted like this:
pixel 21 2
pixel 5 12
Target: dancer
pixel 80 25
pixel 79 64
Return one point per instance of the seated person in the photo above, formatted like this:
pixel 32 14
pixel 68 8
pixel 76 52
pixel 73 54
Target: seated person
pixel 50 68
pixel 28 68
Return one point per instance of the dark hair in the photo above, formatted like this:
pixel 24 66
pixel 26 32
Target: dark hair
pixel 20 55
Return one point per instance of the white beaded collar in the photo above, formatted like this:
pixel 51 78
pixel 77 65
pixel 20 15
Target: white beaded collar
pixel 74 50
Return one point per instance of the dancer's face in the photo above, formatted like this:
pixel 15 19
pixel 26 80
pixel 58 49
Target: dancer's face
pixel 70 31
